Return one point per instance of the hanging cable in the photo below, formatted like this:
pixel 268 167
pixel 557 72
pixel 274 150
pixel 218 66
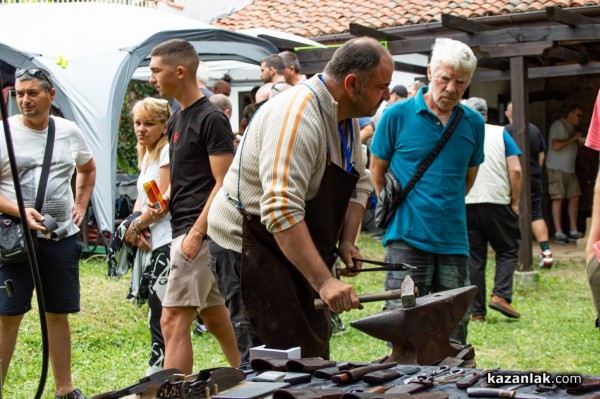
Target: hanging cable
pixel 35 272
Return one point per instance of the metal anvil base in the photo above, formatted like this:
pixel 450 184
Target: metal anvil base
pixel 420 334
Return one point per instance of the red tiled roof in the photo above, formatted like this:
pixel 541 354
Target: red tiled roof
pixel 312 18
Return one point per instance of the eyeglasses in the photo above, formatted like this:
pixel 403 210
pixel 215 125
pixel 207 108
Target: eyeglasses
pixel 35 73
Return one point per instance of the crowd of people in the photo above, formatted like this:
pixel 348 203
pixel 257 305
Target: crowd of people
pixel 285 197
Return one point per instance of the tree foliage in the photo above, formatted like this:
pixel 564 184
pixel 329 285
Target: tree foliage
pixel 126 151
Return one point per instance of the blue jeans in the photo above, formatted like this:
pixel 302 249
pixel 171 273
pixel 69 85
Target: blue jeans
pixel 434 273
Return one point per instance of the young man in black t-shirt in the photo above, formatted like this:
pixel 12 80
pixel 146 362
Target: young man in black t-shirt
pixel 201 151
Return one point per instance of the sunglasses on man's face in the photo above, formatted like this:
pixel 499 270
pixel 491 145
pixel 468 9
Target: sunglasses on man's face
pixel 34 73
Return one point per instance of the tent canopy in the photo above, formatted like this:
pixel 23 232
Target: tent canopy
pixel 92 51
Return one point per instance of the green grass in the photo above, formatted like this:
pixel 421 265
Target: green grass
pixel 111 340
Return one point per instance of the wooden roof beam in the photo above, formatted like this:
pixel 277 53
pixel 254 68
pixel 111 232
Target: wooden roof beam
pixel 516 49
pixel 540 72
pixel 568 54
pixel 463 24
pixel 493 64
pixel 411 68
pixel 361 30
pixel 560 15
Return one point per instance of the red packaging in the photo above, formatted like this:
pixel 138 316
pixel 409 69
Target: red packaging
pixel 154 195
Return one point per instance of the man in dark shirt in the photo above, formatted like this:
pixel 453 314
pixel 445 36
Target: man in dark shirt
pixel 537 150
pixel 201 151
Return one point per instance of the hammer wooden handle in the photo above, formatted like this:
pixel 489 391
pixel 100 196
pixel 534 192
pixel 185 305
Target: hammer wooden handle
pixel 364 298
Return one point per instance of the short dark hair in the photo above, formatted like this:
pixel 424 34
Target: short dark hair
pixel 276 62
pixel 400 91
pixel 178 52
pixel 359 56
pixel 290 59
pixel 574 107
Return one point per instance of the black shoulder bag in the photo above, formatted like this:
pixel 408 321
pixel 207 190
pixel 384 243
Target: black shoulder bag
pixel 12 240
pixel 392 194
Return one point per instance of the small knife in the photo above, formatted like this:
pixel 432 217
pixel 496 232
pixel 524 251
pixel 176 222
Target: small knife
pixel 471 379
pixel 499 393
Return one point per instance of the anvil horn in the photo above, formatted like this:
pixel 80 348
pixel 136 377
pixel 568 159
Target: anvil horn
pixel 420 334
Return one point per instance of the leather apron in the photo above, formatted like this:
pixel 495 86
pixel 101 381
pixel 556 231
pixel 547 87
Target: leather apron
pixel 278 300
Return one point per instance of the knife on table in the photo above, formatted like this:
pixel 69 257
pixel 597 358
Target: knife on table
pixel 472 378
pixel 499 393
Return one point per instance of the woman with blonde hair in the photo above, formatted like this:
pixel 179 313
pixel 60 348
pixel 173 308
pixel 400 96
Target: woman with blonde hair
pixel 150 231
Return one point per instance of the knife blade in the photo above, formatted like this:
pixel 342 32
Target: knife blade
pixel 225 378
pixel 499 393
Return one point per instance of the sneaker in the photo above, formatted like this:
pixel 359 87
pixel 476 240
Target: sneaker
pixel 478 317
pixel 199 329
pixel 501 305
pixel 561 238
pixel 546 259
pixel 74 394
pixel 575 235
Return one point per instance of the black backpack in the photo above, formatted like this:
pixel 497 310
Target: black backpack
pixel 123 207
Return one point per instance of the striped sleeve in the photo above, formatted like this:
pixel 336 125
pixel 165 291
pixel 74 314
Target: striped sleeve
pixel 289 154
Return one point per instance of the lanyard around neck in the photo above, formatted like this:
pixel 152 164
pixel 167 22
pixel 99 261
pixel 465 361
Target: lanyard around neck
pixel 346 147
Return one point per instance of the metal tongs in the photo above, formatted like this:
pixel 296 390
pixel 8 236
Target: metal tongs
pixel 385 266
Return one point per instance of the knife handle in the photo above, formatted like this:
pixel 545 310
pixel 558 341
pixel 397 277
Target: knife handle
pixel 469 380
pixel 490 393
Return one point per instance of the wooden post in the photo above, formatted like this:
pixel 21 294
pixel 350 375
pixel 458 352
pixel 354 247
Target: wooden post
pixel 520 96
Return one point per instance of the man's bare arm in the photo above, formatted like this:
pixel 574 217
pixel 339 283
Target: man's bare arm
pixel 594 233
pixel 84 186
pixel 219 164
pixel 471 176
pixel 515 179
pixel 299 249
pixel 559 144
pixel 378 169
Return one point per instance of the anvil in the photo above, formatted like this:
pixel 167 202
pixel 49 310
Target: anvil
pixel 420 334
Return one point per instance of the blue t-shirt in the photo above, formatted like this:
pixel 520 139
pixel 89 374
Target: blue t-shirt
pixel 364 121
pixel 510 146
pixel 432 218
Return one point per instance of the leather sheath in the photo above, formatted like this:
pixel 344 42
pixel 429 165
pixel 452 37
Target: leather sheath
pixel 381 376
pixel 308 364
pixel 326 373
pixel 351 375
pixel 587 384
pixel 268 363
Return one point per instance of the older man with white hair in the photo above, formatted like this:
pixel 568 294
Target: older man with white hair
pixel 428 229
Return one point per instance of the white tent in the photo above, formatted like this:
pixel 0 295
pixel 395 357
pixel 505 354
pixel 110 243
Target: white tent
pixel 92 51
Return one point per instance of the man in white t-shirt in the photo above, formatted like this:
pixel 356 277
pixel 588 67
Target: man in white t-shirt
pixel 58 260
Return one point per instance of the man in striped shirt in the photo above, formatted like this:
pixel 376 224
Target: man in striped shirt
pixel 277 173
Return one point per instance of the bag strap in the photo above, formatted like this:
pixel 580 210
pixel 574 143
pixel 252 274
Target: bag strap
pixel 432 155
pixel 41 193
